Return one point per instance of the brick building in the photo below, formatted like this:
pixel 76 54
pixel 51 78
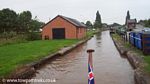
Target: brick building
pixel 131 24
pixel 62 27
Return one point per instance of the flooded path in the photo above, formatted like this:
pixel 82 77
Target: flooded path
pixel 109 66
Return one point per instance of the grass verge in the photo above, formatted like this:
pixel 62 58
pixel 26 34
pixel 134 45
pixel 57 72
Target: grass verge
pixel 15 55
pixel 134 49
pixel 90 33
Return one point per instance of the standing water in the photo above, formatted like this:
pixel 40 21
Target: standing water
pixel 109 67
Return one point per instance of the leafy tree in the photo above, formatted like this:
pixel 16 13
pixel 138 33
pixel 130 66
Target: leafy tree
pixel 8 19
pixel 89 24
pixel 128 16
pixel 147 23
pixel 98 23
pixel 24 21
pixel 1 28
pixel 35 25
pixel 12 23
pixel 82 22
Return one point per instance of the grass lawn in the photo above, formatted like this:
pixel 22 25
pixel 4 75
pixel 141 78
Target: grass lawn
pixel 147 60
pixel 129 46
pixel 14 55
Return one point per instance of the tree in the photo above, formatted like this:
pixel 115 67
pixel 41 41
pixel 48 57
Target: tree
pixel 128 16
pixel 89 25
pixel 147 23
pixel 83 23
pixel 98 23
pixel 35 25
pixel 1 28
pixel 34 30
pixel 24 21
pixel 12 23
pixel 8 19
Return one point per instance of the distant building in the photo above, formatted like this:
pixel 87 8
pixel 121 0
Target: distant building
pixel 62 27
pixel 130 23
pixel 113 27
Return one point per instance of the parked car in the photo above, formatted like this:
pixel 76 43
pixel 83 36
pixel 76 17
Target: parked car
pixel 146 30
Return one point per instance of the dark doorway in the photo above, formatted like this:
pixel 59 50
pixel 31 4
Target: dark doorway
pixel 58 33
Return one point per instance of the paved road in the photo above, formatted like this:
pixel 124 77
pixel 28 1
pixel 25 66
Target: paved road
pixel 109 66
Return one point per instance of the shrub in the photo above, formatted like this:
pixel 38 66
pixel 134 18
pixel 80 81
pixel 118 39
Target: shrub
pixel 13 40
pixel 33 36
pixel 8 35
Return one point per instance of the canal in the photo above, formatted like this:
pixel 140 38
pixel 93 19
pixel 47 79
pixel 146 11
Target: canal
pixel 109 66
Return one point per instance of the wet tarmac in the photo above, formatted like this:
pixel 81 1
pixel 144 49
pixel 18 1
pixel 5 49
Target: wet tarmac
pixel 109 67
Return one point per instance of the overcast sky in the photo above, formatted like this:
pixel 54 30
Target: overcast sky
pixel 82 10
